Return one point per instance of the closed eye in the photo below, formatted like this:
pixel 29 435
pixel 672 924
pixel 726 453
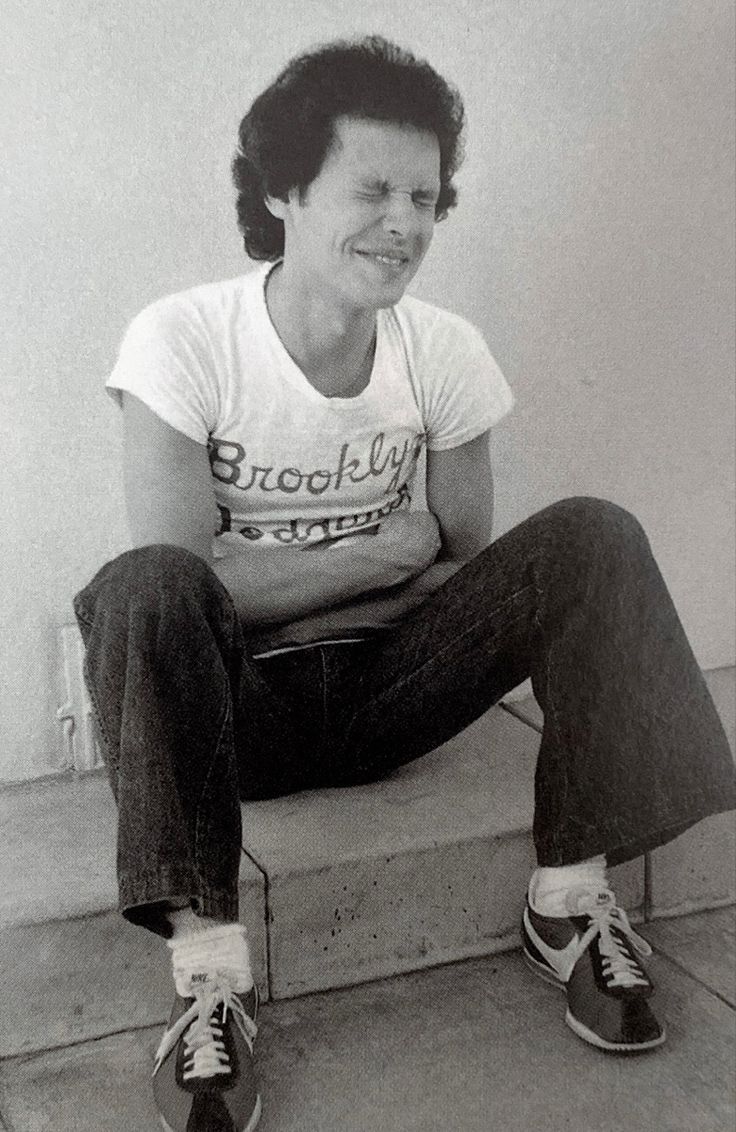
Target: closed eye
pixel 373 190
pixel 424 201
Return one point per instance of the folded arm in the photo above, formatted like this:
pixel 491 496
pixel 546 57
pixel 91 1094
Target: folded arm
pixel 170 499
pixel 460 498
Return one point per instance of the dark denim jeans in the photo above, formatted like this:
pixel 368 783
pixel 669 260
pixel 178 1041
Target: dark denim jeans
pixel 632 752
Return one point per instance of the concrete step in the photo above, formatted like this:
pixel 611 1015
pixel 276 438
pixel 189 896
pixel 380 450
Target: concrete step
pixel 337 887
pixel 428 866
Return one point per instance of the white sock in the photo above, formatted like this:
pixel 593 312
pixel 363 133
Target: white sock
pixel 208 947
pixel 548 888
pixel 184 922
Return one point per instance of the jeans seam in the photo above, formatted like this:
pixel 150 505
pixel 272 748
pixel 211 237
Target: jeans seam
pixel 97 714
pixel 200 804
pixel 398 685
pixel 550 717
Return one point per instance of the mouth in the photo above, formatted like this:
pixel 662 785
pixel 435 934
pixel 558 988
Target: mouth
pixel 386 259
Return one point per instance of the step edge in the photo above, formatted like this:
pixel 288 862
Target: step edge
pixel 320 865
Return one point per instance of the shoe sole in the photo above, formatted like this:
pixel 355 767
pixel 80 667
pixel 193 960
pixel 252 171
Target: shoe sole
pixel 594 1039
pixel 255 1117
pixel 581 1030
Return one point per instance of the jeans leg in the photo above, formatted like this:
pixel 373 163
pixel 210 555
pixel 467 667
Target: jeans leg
pixel 163 653
pixel 632 751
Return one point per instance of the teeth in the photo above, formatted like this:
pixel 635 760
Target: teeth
pixel 392 260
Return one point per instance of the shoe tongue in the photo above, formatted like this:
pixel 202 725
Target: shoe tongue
pixel 580 901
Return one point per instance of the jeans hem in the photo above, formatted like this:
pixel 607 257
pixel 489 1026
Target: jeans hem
pixel 146 901
pixel 619 851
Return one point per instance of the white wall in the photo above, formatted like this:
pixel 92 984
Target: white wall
pixel 593 245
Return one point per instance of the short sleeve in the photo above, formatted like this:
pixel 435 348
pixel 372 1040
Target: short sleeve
pixel 462 388
pixel 166 362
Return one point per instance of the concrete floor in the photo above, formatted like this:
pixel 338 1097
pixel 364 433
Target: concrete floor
pixel 471 1047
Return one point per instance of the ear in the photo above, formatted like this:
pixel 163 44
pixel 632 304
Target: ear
pixel 277 207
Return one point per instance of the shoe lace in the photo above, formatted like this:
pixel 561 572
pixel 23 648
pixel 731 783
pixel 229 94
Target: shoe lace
pixel 616 939
pixel 204 1050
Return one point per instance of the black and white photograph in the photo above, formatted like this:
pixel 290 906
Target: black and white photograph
pixel 368 571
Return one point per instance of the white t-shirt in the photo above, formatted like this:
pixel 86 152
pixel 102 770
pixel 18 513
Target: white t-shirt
pixel 290 466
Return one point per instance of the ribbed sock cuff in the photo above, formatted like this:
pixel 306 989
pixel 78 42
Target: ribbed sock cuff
pixel 222 949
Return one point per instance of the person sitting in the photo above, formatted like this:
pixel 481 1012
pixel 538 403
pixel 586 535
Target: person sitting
pixel 314 597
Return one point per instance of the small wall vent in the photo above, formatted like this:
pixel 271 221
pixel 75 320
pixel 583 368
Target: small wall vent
pixel 80 750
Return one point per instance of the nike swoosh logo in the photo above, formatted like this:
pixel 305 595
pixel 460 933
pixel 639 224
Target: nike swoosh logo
pixel 561 960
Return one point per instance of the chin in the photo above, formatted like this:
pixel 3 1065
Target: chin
pixel 389 294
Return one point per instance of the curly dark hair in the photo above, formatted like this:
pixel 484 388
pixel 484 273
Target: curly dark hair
pixel 288 131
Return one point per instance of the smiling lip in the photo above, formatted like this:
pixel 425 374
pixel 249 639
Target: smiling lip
pixel 389 258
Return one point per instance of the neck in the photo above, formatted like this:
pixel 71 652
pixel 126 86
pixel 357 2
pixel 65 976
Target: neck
pixel 313 328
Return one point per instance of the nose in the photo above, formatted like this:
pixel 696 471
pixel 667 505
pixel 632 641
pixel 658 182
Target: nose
pixel 400 213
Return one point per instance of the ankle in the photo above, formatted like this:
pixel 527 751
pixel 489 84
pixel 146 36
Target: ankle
pixel 185 922
pixel 549 887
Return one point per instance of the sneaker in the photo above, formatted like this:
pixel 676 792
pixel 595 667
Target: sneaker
pixel 592 954
pixel 203 1077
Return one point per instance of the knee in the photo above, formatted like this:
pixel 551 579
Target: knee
pixel 593 522
pixel 163 561
pixel 142 574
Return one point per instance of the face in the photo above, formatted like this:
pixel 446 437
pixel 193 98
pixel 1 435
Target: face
pixel 366 221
